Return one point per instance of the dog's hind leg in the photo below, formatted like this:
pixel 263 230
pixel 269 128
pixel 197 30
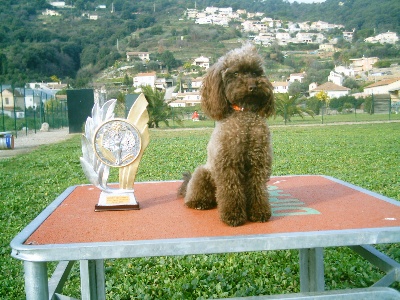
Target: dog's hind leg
pixel 200 190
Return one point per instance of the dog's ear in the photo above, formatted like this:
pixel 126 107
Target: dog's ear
pixel 269 108
pixel 213 100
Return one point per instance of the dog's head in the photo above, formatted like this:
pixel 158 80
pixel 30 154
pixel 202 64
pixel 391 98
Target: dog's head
pixel 237 82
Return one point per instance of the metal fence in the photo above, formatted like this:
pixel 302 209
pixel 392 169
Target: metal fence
pixel 25 110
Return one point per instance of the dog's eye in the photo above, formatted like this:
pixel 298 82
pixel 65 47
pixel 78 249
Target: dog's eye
pixel 236 74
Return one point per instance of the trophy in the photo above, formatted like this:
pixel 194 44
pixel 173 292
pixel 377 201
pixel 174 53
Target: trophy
pixel 115 142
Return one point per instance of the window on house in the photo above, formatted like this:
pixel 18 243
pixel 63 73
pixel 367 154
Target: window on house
pixel 7 101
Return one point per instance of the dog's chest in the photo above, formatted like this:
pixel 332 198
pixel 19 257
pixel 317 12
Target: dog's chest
pixel 240 128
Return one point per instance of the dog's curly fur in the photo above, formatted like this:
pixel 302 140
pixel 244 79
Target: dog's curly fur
pixel 237 94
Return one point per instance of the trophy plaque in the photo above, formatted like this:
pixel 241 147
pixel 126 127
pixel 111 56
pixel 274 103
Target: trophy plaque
pixel 111 142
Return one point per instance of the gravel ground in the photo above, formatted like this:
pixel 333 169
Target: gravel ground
pixel 23 143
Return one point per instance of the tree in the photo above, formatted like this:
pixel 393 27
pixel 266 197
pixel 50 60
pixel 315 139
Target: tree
pixel 127 81
pixel 288 106
pixel 323 96
pixel 158 109
pixel 168 59
pixel 297 88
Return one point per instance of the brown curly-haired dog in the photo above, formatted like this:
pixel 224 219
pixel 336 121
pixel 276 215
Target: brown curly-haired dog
pixel 237 94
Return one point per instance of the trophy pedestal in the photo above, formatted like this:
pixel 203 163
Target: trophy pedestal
pixel 117 201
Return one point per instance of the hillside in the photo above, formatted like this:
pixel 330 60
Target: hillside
pixel 74 47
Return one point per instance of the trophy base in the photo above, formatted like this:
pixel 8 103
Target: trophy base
pixel 116 201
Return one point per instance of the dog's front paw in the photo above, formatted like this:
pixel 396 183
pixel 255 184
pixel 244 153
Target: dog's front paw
pixel 262 214
pixel 233 219
pixel 201 203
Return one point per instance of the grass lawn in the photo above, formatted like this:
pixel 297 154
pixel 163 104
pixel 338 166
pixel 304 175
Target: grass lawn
pixel 363 154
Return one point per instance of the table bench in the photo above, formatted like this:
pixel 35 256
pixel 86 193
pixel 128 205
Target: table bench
pixel 310 213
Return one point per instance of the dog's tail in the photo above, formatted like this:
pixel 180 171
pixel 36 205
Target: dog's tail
pixel 182 189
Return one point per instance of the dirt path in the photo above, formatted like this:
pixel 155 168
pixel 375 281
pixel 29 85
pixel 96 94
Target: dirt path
pixel 25 143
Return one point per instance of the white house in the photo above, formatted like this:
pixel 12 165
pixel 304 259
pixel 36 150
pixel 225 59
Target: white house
pixel 307 37
pixel 304 26
pixel 204 21
pixel 387 37
pixel 349 72
pixel 160 84
pixel 348 35
pixel 50 12
pixel 197 83
pixel 211 10
pixel 264 39
pixel 326 47
pixel 363 64
pixel 191 13
pixel 145 56
pixel 387 86
pixel 143 79
pixel 202 61
pixel 58 3
pixel 254 26
pixel 320 26
pixel 297 77
pixel 191 85
pixel 331 89
pixel 336 78
pixel 280 86
pixel 283 38
pixel 186 99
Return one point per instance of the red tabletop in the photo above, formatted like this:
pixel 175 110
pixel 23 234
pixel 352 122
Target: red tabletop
pixel 300 204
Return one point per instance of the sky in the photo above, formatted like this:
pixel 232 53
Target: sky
pixel 306 1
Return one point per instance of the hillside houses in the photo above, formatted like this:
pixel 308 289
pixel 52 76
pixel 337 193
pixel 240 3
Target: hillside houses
pixel 267 30
pixel 363 64
pixel 384 38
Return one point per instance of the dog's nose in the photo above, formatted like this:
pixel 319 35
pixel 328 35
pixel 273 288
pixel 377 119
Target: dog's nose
pixel 252 87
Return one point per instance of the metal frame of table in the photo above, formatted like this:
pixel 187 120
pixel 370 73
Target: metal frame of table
pixel 310 244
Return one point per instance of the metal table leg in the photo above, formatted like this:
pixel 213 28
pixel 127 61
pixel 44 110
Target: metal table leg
pixel 92 279
pixel 36 282
pixel 312 270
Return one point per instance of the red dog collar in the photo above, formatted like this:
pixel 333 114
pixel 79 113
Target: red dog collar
pixel 237 108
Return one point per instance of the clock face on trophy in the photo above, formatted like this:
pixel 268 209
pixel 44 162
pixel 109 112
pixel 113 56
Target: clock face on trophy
pixel 117 143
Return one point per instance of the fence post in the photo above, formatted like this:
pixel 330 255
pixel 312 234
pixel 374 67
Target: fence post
pixel 322 114
pixel 52 111
pixel 2 106
pixel 34 119
pixel 15 115
pixel 25 116
pixel 355 109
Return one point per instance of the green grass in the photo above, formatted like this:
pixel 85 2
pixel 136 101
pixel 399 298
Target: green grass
pixel 307 120
pixel 362 154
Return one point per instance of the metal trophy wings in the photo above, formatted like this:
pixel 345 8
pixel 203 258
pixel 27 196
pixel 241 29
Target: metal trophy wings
pixel 114 142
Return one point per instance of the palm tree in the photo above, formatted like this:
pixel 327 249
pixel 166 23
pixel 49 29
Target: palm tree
pixel 158 109
pixel 288 106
